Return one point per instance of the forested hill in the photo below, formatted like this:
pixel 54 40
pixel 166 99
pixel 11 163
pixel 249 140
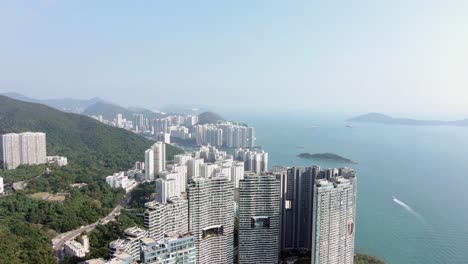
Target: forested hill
pixel 94 150
pixel 80 138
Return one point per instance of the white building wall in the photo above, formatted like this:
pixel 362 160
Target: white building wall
pixel 149 165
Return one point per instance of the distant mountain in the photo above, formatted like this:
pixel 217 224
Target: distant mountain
pixel 385 119
pixel 209 118
pixel 109 111
pixel 76 136
pixel 64 104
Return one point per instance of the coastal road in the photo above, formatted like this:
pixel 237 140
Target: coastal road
pixel 59 241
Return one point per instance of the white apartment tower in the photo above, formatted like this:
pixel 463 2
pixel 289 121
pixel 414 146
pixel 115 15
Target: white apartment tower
pixel 193 168
pixel 259 218
pixel 149 165
pixel 163 218
pixel 11 151
pixel 119 120
pixel 25 148
pixel 334 219
pixel 251 137
pixel 237 173
pixel 159 149
pixel 211 218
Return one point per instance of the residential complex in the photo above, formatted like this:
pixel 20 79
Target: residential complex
pixel 255 161
pixel 163 218
pixel 119 180
pixel 173 249
pixel 159 149
pixel 211 218
pixel 199 195
pixel 297 186
pixel 227 134
pixel 149 165
pixel 334 218
pixel 259 218
pixel 28 148
pixel 130 244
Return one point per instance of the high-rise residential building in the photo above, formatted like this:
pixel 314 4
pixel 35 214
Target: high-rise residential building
pixel 139 120
pixel 334 218
pixel 251 140
pixel 2 190
pixel 182 159
pixel 159 149
pixel 25 148
pixel 211 218
pixel 259 218
pixel 33 148
pixel 237 173
pixel 207 170
pixel 173 249
pixel 254 161
pixel 149 165
pixel 163 218
pixel 130 244
pixel 179 179
pixel 193 168
pixel 119 120
pixel 181 171
pixel 165 190
pixel 297 186
pixel 11 151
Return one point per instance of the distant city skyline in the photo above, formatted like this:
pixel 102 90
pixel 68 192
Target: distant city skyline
pixel 385 56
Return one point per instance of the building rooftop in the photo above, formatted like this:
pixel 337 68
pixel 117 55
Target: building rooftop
pixel 135 232
pixel 95 261
pixel 75 245
pixel 147 240
pixel 120 243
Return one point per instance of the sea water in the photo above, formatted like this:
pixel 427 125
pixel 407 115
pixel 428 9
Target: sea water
pixel 412 204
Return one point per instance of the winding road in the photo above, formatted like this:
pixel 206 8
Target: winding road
pixel 59 241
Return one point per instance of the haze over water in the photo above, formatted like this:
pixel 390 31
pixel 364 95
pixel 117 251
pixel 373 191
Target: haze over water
pixel 412 187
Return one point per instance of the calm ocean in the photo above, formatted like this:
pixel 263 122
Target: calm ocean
pixel 413 181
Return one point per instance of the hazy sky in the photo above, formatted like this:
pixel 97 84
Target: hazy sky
pixel 388 56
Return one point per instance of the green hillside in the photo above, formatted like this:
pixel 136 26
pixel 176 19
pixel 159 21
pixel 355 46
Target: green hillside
pixel 366 259
pixel 209 118
pixel 94 150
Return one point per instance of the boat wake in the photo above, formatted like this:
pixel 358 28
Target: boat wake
pixel 409 209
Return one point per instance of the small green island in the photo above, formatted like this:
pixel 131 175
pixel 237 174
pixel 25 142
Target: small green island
pixel 325 156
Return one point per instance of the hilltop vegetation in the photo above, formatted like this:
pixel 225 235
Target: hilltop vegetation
pixel 209 118
pixel 365 259
pixel 94 150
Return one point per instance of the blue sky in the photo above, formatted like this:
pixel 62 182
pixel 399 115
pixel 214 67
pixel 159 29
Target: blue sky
pixel 387 56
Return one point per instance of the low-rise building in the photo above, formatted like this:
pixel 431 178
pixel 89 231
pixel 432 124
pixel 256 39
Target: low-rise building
pixel 77 249
pixel 60 161
pixel 119 180
pixel 174 249
pixel 130 244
